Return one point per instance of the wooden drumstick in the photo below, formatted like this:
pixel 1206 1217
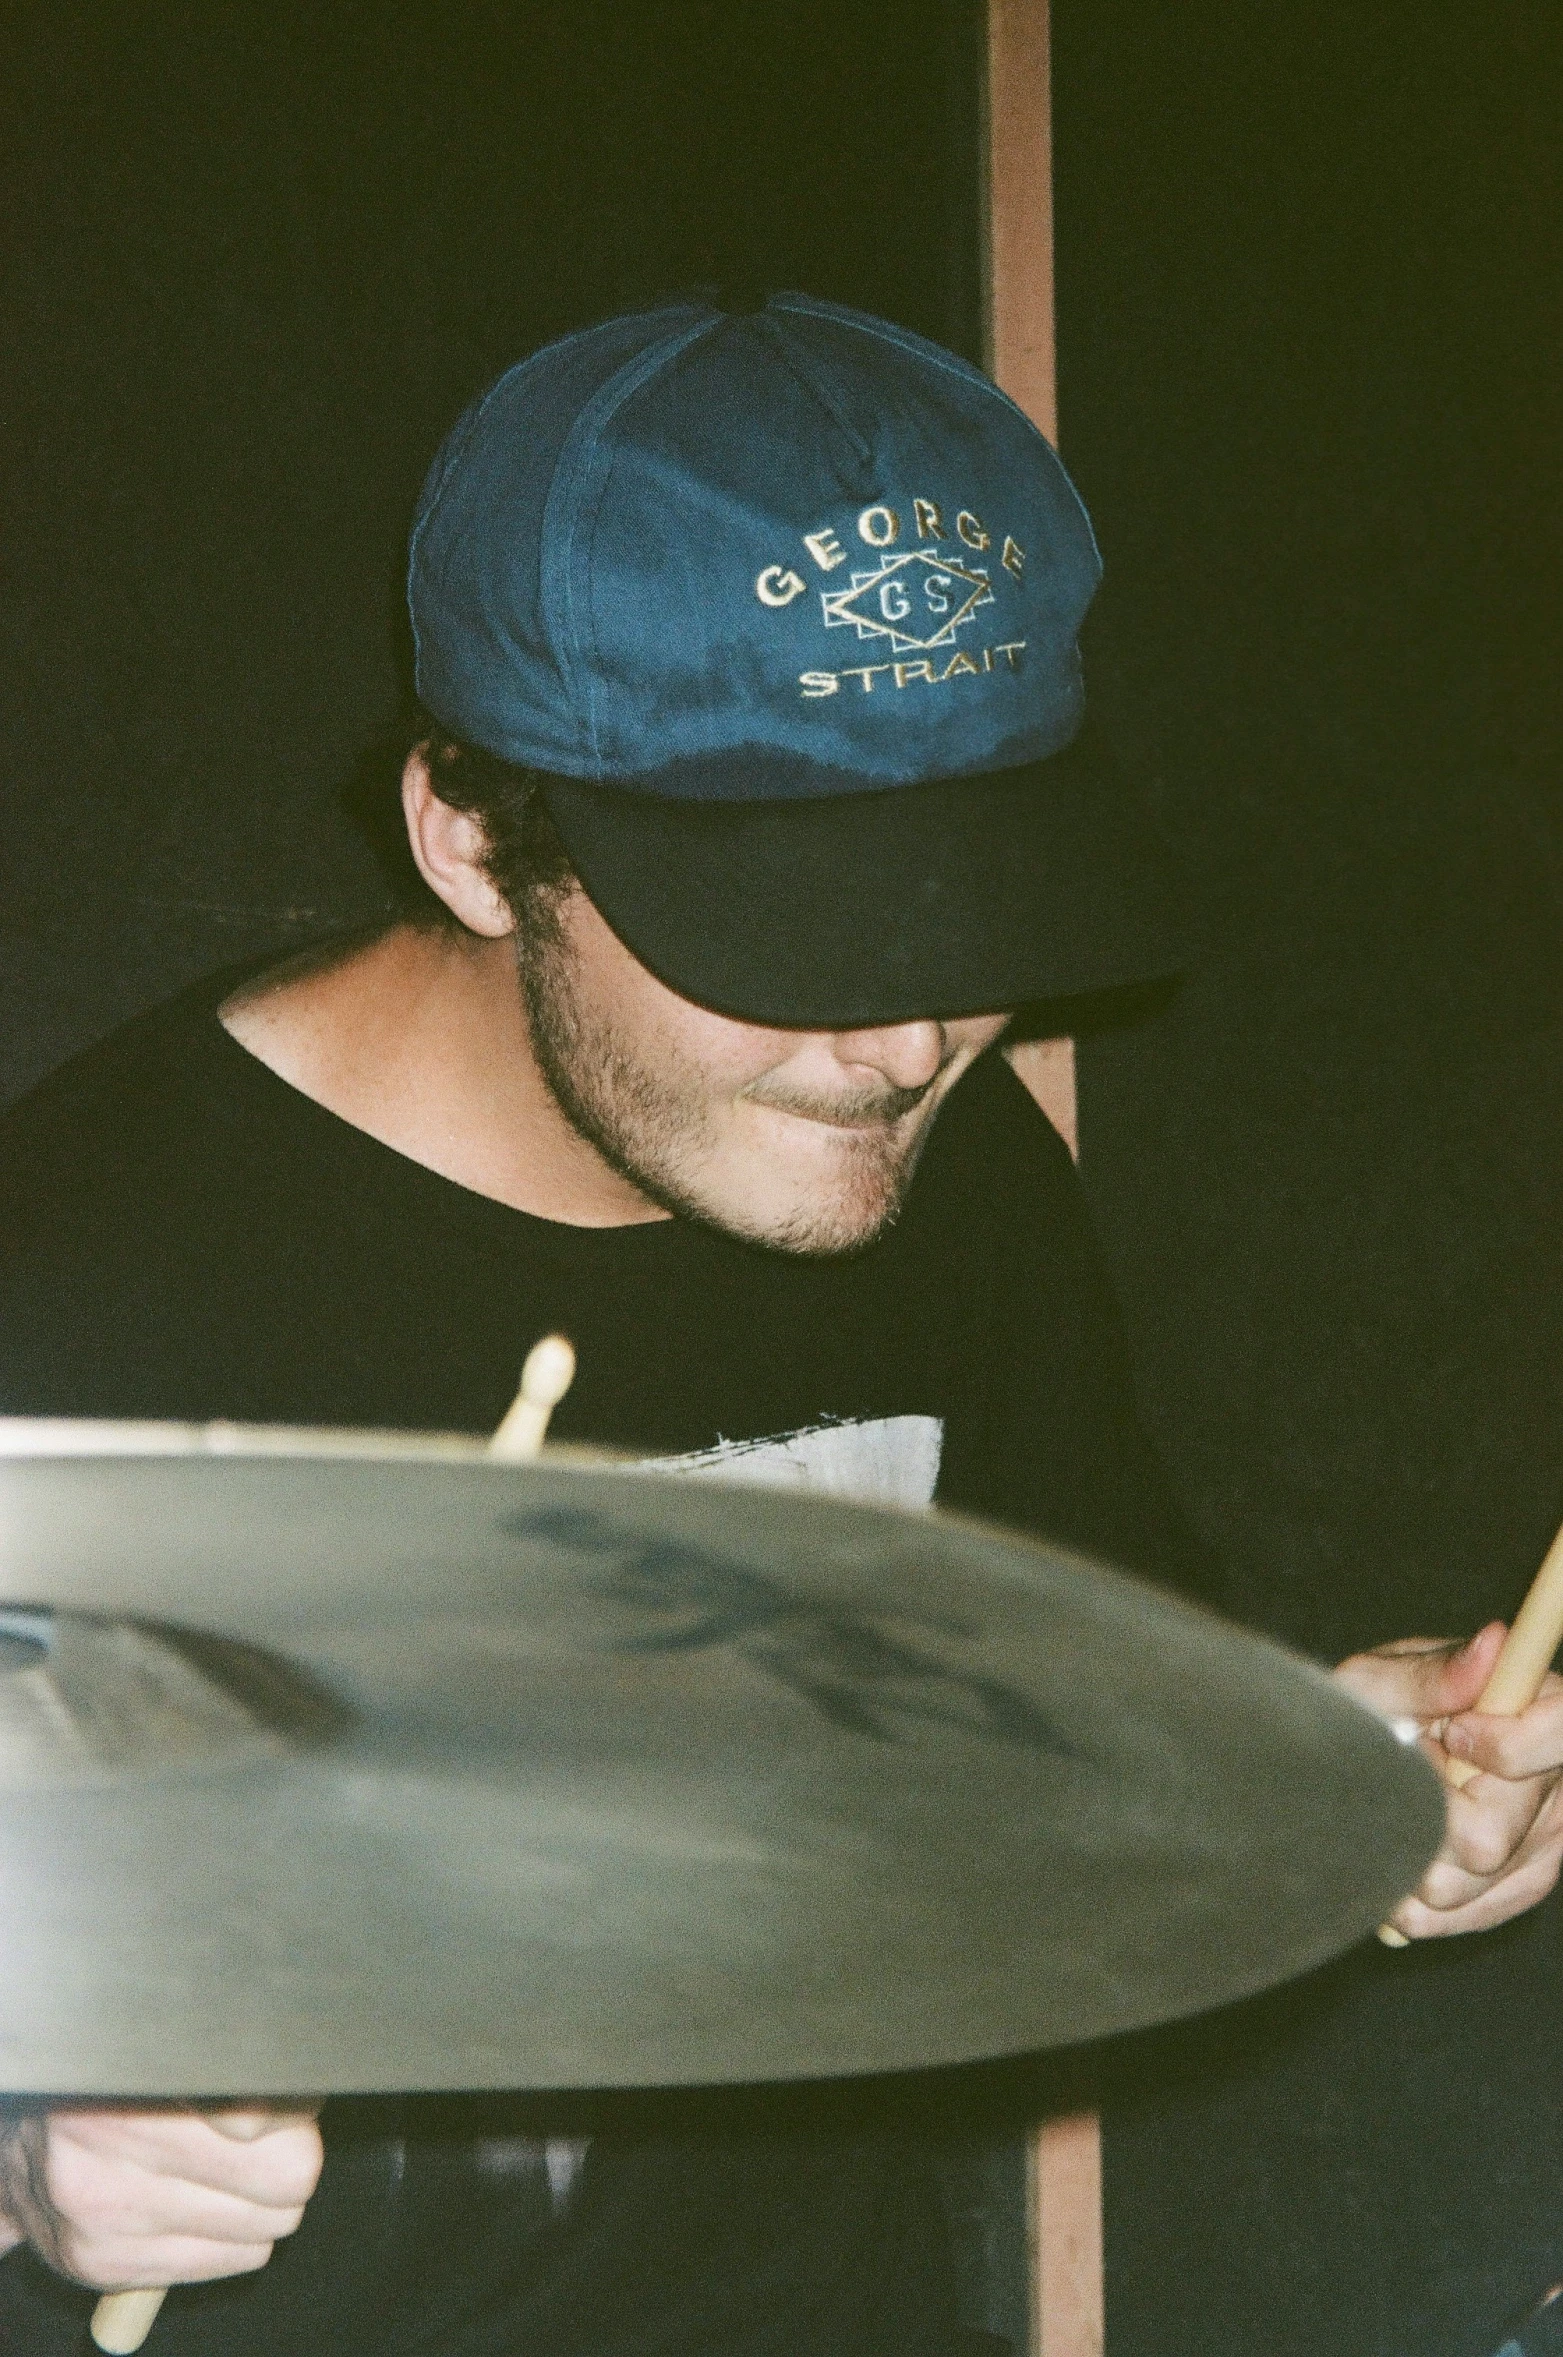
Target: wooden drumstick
pixel 122 2320
pixel 1522 1663
pixel 546 1377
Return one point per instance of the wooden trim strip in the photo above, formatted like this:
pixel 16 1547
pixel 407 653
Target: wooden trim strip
pixel 1018 210
pixel 1066 2171
pixel 1068 2307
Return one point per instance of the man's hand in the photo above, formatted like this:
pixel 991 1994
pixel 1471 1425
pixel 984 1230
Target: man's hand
pixel 119 2199
pixel 1504 1836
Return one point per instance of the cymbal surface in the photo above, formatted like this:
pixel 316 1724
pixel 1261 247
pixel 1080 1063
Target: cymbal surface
pixel 376 1765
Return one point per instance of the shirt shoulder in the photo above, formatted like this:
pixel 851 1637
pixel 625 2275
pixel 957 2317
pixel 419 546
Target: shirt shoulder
pixel 997 1180
pixel 149 1102
pixel 1034 1326
pixel 136 1186
pixel 132 1096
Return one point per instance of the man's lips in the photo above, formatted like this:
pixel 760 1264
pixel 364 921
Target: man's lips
pixel 876 1115
pixel 851 1121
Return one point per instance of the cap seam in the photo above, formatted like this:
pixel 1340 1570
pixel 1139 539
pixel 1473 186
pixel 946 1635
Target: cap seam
pixel 450 456
pixel 808 378
pixel 564 511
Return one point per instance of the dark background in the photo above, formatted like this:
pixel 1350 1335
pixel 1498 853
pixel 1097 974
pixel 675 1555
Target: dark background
pixel 254 262
pixel 1308 278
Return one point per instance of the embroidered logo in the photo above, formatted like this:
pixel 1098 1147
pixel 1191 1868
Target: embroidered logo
pixel 912 602
pixel 916 600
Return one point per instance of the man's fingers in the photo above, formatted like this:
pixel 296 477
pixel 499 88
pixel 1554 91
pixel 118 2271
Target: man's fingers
pixel 277 2169
pixel 135 2264
pixel 166 2197
pixel 1422 1678
pixel 1528 1744
pixel 1501 1851
pixel 1453 1683
pixel 245 2127
pixel 1527 1884
pixel 1488 1822
pixel 101 2204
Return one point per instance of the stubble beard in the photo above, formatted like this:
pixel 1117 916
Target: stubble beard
pixel 657 1128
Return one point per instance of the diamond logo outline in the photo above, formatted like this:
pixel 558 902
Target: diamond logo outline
pixel 840 607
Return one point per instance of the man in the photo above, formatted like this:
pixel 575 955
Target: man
pixel 747 799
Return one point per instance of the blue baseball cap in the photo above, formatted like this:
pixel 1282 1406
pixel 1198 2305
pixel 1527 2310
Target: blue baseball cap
pixel 783 605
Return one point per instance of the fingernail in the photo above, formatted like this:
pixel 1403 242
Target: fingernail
pixel 1459 1740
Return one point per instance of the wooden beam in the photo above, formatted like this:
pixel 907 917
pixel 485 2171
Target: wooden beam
pixel 1066 2183
pixel 1066 2153
pixel 1021 346
pixel 1019 210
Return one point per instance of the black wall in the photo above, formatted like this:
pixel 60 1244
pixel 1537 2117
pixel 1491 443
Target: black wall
pixel 1308 292
pixel 254 262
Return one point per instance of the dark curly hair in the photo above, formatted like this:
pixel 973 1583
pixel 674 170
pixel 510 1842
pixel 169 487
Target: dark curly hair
pixel 525 858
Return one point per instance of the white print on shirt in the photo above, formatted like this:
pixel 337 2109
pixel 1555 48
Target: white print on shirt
pixel 877 1460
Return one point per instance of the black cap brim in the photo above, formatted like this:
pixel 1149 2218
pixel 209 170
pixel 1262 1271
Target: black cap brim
pixel 966 896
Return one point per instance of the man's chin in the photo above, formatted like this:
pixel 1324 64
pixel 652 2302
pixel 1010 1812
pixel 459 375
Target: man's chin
pixel 809 1234
pixel 820 1222
pixel 847 1187
pixel 795 1185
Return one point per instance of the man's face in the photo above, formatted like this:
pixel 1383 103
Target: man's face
pixel 805 1140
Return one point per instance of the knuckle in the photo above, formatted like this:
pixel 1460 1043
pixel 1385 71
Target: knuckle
pixel 307 2161
pixel 1486 1849
pixel 102 2261
pixel 1444 1886
pixel 290 2177
pixel 295 2187
pixel 84 2193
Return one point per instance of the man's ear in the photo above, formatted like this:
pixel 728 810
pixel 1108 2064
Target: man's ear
pixel 448 846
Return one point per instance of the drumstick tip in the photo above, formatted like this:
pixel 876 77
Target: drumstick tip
pixel 122 2320
pixel 546 1377
pixel 549 1371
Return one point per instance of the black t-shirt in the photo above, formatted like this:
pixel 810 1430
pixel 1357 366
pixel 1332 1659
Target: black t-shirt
pixel 184 1235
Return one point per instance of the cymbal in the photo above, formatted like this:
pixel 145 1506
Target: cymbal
pixel 345 1762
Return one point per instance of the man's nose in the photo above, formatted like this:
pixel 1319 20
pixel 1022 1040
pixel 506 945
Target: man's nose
pixel 907 1054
